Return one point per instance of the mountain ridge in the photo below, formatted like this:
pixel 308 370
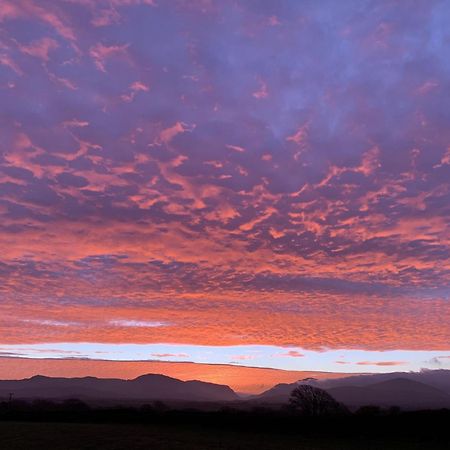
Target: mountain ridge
pixel 406 390
pixel 427 389
pixel 144 387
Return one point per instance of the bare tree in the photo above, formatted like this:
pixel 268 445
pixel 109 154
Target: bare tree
pixel 312 401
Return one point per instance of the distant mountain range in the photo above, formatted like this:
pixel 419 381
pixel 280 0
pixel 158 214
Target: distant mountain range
pixel 143 388
pixel 412 390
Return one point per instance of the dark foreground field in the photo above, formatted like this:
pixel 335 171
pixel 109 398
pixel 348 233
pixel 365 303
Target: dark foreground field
pixel 72 424
pixel 71 436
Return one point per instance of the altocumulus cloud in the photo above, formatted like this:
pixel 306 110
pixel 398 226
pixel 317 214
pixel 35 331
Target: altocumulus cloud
pixel 160 181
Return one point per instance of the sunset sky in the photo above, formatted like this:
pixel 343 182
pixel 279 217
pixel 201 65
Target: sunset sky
pixel 256 183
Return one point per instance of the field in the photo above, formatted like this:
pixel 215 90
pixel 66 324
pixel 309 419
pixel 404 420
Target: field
pixel 71 436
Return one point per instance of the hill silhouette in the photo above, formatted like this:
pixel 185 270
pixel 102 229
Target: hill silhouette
pixel 408 394
pixel 408 391
pixel 143 388
pixel 429 389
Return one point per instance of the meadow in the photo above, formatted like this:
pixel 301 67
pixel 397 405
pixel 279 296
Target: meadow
pixel 77 436
pixel 45 425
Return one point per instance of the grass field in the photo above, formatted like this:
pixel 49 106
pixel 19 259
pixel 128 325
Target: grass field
pixel 63 436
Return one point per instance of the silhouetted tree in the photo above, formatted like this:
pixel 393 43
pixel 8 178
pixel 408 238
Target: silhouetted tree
pixel 312 401
pixel 369 410
pixel 160 406
pixel 42 404
pixel 394 410
pixel 74 404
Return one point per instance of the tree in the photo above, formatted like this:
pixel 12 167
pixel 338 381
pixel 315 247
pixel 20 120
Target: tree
pixel 312 401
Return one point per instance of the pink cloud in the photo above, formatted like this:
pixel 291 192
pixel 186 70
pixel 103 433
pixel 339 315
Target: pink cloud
pixel 236 148
pixel 40 48
pixel 75 123
pixel 9 10
pixel 262 92
pixel 380 363
pixel 292 354
pixel 168 134
pixel 134 88
pixel 48 16
pixel 101 53
pixel 7 61
pixel 105 17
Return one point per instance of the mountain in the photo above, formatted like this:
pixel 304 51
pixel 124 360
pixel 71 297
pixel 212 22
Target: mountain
pixel 402 392
pixel 427 389
pixel 143 388
pixel 439 378
pixel 280 393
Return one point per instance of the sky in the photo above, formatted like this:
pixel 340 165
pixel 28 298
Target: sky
pixel 254 183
